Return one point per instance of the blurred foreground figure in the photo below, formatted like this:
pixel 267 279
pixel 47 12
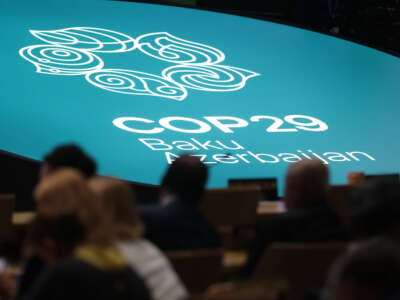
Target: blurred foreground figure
pixel 368 271
pixel 177 222
pixel 68 156
pixel 308 219
pixel 374 210
pixel 74 239
pixel 63 156
pixel 116 200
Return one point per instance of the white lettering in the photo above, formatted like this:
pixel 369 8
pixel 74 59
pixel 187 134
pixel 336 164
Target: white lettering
pixel 151 143
pixel 166 123
pixel 226 127
pixel 120 123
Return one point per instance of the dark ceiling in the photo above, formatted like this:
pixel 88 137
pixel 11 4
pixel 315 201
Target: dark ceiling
pixel 372 22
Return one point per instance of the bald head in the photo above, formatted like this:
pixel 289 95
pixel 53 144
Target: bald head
pixel 307 181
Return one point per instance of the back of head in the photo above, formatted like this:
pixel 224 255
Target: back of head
pixel 61 193
pixel 62 234
pixel 116 200
pixel 374 209
pixel 186 178
pixel 370 270
pixel 65 192
pixel 307 181
pixel 71 156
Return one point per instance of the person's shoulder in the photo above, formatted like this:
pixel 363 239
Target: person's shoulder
pixel 73 271
pixel 310 211
pixel 66 267
pixel 161 211
pixel 147 259
pixel 276 225
pixel 139 247
pixel 148 211
pixel 57 281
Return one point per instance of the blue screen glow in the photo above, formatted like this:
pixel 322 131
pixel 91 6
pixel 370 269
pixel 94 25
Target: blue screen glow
pixel 137 84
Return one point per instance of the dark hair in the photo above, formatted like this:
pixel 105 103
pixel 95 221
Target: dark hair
pixel 307 182
pixel 374 209
pixel 66 232
pixel 186 178
pixel 71 155
pixel 375 263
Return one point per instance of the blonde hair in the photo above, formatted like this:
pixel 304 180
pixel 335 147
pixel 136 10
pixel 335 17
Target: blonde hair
pixel 117 201
pixel 66 192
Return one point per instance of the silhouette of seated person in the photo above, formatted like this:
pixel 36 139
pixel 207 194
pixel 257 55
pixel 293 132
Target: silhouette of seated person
pixel 374 210
pixel 176 222
pixel 74 238
pixel 117 202
pixel 70 156
pixel 67 155
pixel 308 217
pixel 367 271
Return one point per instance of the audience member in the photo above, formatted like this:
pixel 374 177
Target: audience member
pixel 68 155
pixel 374 210
pixel 368 271
pixel 177 222
pixel 75 240
pixel 308 217
pixel 116 199
pixel 71 156
pixel 355 178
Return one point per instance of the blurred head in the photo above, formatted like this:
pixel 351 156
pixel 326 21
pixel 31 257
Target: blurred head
pixel 116 199
pixel 185 178
pixel 70 156
pixel 55 238
pixel 355 178
pixel 65 192
pixel 374 209
pixel 370 271
pixel 307 181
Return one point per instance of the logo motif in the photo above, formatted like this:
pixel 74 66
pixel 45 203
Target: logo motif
pixel 71 51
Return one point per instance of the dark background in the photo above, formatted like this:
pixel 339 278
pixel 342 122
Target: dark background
pixel 375 23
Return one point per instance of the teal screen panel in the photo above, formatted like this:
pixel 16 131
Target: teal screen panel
pixel 138 84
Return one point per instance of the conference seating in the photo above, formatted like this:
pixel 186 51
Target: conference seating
pixel 234 206
pixel 244 290
pixel 300 265
pixel 7 204
pixel 198 269
pixel 230 210
pixel 250 292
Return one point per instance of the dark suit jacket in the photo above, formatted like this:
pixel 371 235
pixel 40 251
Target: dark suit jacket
pixel 316 222
pixel 76 279
pixel 178 225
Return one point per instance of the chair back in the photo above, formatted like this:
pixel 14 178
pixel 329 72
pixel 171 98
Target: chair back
pixel 234 206
pixel 302 266
pixel 198 269
pixel 7 203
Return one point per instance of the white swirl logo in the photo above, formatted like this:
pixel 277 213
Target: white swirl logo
pixel 136 83
pixel 165 46
pixel 215 78
pixel 57 60
pixel 70 51
pixel 87 38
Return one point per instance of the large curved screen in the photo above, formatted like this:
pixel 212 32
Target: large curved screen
pixel 138 84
